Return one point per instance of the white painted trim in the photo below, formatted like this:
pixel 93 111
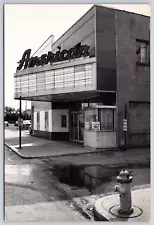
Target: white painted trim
pixel 50 120
pixel 42 120
pixel 35 120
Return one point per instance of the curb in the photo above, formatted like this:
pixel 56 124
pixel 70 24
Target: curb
pixel 118 165
pixel 21 156
pixel 44 157
pixel 85 212
pixel 101 211
pixel 56 156
pixel 70 198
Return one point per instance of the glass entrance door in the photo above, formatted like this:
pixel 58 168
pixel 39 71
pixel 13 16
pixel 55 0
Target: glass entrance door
pixel 77 126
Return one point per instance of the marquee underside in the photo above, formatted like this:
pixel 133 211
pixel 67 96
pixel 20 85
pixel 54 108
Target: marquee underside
pixel 68 97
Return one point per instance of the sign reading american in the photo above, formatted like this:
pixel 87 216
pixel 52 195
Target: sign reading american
pixel 75 52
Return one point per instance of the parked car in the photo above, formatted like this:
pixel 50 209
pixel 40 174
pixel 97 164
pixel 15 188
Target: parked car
pixel 26 124
pixel 6 124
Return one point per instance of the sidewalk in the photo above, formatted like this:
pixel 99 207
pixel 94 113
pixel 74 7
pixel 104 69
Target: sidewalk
pixel 96 207
pixel 33 147
pixel 74 154
pixel 106 207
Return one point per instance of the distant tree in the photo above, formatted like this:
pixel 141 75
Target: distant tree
pixel 12 115
pixel 9 109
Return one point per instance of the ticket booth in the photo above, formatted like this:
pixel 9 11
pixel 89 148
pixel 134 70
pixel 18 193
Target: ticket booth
pixel 100 127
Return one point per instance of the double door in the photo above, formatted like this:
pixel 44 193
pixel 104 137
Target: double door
pixel 77 126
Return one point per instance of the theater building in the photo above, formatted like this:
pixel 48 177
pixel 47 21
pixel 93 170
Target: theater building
pixel 93 84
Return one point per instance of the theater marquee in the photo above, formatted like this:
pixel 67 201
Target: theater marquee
pixel 76 52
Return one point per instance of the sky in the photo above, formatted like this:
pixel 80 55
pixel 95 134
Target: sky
pixel 28 26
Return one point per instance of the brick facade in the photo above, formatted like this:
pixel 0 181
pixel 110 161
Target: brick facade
pixel 133 81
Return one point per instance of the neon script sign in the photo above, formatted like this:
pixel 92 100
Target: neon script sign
pixel 76 52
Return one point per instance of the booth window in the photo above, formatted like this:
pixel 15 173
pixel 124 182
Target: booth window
pixel 106 118
pixel 99 119
pixel 91 116
pixel 143 52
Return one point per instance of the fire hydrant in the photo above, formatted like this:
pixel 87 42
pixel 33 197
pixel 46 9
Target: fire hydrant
pixel 124 188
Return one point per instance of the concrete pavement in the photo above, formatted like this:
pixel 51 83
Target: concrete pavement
pixel 31 192
pixel 138 156
pixel 33 147
pixel 106 207
pixel 73 154
pixel 141 197
pixel 48 212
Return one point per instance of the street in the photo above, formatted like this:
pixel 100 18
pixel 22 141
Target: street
pixel 35 187
pixel 31 178
pixel 29 182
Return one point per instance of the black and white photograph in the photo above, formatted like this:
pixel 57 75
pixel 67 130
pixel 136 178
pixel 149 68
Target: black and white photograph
pixel 77 113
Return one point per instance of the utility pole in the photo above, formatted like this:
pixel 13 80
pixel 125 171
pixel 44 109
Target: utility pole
pixel 20 124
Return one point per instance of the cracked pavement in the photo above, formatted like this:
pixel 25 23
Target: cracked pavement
pixel 31 193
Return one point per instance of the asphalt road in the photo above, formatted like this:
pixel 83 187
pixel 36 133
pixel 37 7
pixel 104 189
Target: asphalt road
pixel 31 188
pixel 30 178
pixel 30 182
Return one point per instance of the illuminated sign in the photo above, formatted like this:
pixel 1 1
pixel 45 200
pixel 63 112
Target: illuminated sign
pixel 76 52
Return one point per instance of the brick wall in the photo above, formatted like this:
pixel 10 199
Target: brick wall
pixel 105 49
pixel 133 81
pixel 139 123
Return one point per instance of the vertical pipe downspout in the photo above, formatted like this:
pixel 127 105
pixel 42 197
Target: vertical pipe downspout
pixel 20 125
pixel 117 124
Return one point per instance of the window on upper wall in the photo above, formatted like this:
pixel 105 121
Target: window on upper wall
pixel 143 52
